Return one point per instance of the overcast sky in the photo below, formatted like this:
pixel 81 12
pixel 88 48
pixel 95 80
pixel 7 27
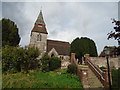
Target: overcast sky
pixel 65 20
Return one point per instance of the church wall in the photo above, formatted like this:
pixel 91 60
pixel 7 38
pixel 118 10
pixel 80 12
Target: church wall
pixel 33 38
pixel 39 42
pixel 39 39
pixel 52 51
pixel 64 57
pixel 65 63
pixel 44 37
pixel 55 53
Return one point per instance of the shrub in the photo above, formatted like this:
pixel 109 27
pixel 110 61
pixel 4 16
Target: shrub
pixel 72 68
pixel 29 57
pixel 115 79
pixel 16 59
pixel 54 63
pixel 102 68
pixel 50 63
pixel 45 63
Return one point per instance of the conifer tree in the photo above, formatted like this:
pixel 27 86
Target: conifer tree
pixel 10 34
pixel 83 46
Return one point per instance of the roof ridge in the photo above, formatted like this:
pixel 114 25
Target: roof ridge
pixel 58 41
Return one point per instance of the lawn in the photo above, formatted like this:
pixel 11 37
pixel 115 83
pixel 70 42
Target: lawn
pixel 38 79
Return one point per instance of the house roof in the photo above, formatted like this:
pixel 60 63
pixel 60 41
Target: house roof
pixel 62 48
pixel 113 52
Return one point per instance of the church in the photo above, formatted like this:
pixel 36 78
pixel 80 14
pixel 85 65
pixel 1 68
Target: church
pixel 38 38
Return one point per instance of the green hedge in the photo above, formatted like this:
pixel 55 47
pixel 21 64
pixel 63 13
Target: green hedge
pixel 54 63
pixel 72 68
pixel 50 63
pixel 103 68
pixel 116 79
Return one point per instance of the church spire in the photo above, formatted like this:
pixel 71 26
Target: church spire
pixel 40 19
pixel 40 24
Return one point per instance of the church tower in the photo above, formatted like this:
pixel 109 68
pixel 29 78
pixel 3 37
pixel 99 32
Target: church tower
pixel 39 34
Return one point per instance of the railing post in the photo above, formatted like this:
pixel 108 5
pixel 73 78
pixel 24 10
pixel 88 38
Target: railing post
pixel 72 60
pixel 84 77
pixel 86 57
pixel 106 78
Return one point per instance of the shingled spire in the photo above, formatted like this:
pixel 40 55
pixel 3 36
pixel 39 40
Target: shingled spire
pixel 40 19
pixel 40 24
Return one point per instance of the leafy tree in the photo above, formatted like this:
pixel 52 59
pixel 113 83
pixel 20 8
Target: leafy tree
pixel 12 58
pixel 115 34
pixel 29 57
pixel 45 63
pixel 16 59
pixel 6 58
pixel 83 46
pixel 10 34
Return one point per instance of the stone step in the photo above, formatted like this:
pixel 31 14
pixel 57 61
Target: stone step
pixel 93 80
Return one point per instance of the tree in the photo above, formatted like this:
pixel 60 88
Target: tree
pixel 83 46
pixel 115 34
pixel 29 58
pixel 10 34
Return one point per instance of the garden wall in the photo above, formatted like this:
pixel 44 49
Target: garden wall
pixel 102 62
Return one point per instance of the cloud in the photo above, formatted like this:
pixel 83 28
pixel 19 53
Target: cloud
pixel 65 20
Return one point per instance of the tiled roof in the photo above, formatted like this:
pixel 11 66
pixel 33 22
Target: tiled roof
pixel 62 48
pixel 40 29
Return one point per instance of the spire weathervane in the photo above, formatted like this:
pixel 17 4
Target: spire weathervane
pixel 41 9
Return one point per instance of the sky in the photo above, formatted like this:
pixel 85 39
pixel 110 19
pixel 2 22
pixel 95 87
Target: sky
pixel 65 21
